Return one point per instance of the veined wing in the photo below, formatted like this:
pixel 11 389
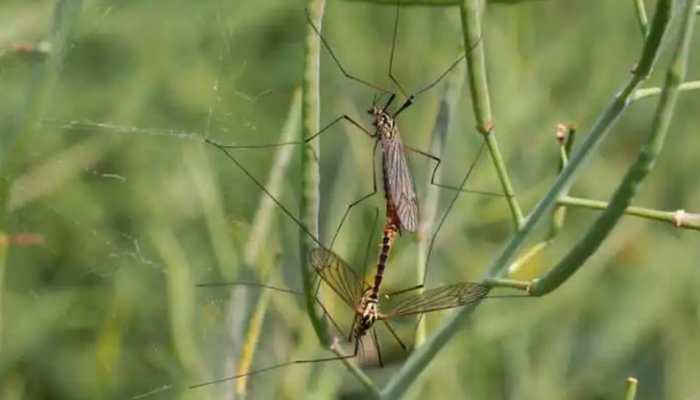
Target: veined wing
pixel 443 297
pixel 337 274
pixel 399 184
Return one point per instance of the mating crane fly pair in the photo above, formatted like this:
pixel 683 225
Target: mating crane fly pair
pixel 402 215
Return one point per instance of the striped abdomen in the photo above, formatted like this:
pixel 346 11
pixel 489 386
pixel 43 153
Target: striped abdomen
pixel 388 237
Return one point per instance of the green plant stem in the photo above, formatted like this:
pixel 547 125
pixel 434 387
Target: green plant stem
pixel 635 175
pixel 558 216
pixel 418 361
pixel 642 16
pixel 251 340
pixel 645 93
pixel 631 389
pixel 598 132
pixel 470 14
pixel 310 111
pixel 671 217
pixel 507 283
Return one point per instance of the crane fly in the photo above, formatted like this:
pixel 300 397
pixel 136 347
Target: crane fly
pixel 399 189
pixel 356 293
pixel 359 296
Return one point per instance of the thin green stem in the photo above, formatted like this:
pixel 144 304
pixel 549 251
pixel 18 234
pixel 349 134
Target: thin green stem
pixel 310 112
pixel 470 13
pixel 635 175
pixel 631 389
pixel 598 132
pixel 310 182
pixel 507 283
pixel 565 136
pixel 418 361
pixel 529 254
pixel 645 93
pixel 642 16
pixel 252 338
pixel 678 218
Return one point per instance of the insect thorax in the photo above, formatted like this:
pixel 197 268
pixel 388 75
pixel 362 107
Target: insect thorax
pixel 384 122
pixel 367 313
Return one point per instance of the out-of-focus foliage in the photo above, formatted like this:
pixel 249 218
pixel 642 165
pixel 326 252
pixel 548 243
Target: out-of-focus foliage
pixel 107 308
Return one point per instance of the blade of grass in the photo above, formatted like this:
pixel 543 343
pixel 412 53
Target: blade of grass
pixel 180 300
pixel 259 235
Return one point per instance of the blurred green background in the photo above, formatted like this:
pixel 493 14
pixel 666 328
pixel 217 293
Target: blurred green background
pixel 106 308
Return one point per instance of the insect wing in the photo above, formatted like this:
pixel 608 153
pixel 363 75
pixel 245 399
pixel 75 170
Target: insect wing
pixel 338 275
pixel 443 297
pixel 399 184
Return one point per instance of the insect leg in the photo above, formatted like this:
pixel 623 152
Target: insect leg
pixel 328 48
pixel 438 161
pixel 361 199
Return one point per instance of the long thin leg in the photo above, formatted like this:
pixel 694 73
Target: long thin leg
pixel 352 327
pixel 393 48
pixel 343 117
pixel 395 335
pixel 307 361
pixel 378 347
pixel 361 199
pixel 279 289
pixel 440 77
pixel 438 161
pixel 337 61
pixel 266 191
pixel 447 212
pixel 446 71
pixel 335 121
